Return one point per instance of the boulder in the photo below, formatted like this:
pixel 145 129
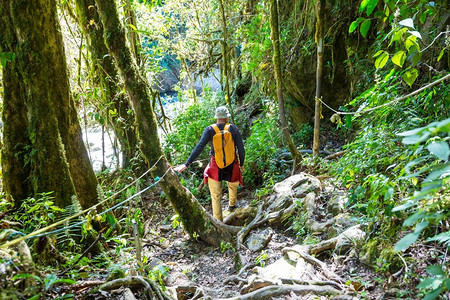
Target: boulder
pixel 255 282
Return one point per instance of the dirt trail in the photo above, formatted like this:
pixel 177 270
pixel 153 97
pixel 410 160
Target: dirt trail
pixel 327 265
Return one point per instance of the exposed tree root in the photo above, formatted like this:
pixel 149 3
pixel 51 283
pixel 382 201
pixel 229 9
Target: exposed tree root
pixel 151 289
pixel 276 290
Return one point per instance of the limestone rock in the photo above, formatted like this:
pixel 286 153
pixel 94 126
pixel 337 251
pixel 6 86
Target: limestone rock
pixel 298 184
pixel 255 283
pixel 348 238
pixel 281 202
pixel 258 241
pixel 336 204
pixel 127 295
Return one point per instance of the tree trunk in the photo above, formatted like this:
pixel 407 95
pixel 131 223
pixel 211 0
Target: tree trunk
pixel 36 27
pixel 275 36
pixel 16 141
pixel 193 216
pixel 133 37
pixel 105 75
pixel 226 62
pixel 320 9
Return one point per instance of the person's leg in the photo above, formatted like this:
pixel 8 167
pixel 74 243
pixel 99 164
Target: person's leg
pixel 232 193
pixel 215 188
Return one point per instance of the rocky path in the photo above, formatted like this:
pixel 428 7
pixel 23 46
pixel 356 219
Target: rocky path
pixel 267 263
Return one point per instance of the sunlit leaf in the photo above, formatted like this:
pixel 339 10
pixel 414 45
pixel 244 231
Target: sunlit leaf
pixel 399 58
pixel 416 33
pixel 371 6
pixel 439 149
pixel 407 23
pixel 381 60
pixel 410 76
pixel 441 54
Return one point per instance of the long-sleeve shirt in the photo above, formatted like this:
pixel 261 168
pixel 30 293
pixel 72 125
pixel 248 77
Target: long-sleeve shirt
pixel 207 137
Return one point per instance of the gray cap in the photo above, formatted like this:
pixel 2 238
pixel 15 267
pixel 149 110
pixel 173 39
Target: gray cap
pixel 222 113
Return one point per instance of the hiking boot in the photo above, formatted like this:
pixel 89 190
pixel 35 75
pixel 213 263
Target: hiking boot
pixel 231 208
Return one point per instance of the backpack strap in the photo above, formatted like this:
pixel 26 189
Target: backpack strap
pixel 227 127
pixel 216 128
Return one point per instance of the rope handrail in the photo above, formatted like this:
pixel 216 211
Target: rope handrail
pixel 40 232
pixel 388 103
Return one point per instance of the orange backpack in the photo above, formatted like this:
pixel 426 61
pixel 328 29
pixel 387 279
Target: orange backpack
pixel 223 144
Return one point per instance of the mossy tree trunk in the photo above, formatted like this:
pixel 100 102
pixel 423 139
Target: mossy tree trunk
pixel 105 75
pixel 16 141
pixel 320 9
pixel 35 25
pixel 275 36
pixel 225 56
pixel 57 157
pixel 193 216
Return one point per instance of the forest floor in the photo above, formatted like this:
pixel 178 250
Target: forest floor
pixel 191 266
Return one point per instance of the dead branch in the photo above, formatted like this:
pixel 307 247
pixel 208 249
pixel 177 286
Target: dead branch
pixel 335 155
pixel 310 282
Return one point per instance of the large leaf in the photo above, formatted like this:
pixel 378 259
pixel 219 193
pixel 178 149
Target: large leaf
pixel 381 60
pixel 410 76
pixel 365 27
pixel 439 149
pixel 371 6
pixel 433 294
pixel 406 241
pixel 407 23
pixel 435 270
pixel 399 58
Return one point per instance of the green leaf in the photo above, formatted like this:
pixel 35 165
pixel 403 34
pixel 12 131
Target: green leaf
pixel 411 41
pixel 441 54
pixel 365 27
pixel 371 6
pixel 355 24
pixel 416 58
pixel 413 218
pixel 388 194
pixel 406 241
pixel 363 5
pixel 26 276
pixel 381 60
pixel 435 270
pixel 404 206
pixel 399 58
pixel 439 149
pixel 425 283
pixel 378 53
pixel 410 76
pixel 407 23
pixel 434 294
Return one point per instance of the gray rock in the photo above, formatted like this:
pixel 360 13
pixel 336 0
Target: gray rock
pixel 281 202
pixel 336 204
pixel 127 295
pixel 345 221
pixel 298 184
pixel 255 283
pixel 348 239
pixel 258 241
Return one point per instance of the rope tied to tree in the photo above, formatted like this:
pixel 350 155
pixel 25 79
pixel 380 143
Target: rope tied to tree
pixel 42 231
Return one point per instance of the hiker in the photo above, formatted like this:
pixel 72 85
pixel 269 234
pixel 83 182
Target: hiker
pixel 224 165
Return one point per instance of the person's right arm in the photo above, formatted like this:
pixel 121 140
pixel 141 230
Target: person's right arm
pixel 206 137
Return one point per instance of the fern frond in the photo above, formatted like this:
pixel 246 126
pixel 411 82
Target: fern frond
pixel 442 238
